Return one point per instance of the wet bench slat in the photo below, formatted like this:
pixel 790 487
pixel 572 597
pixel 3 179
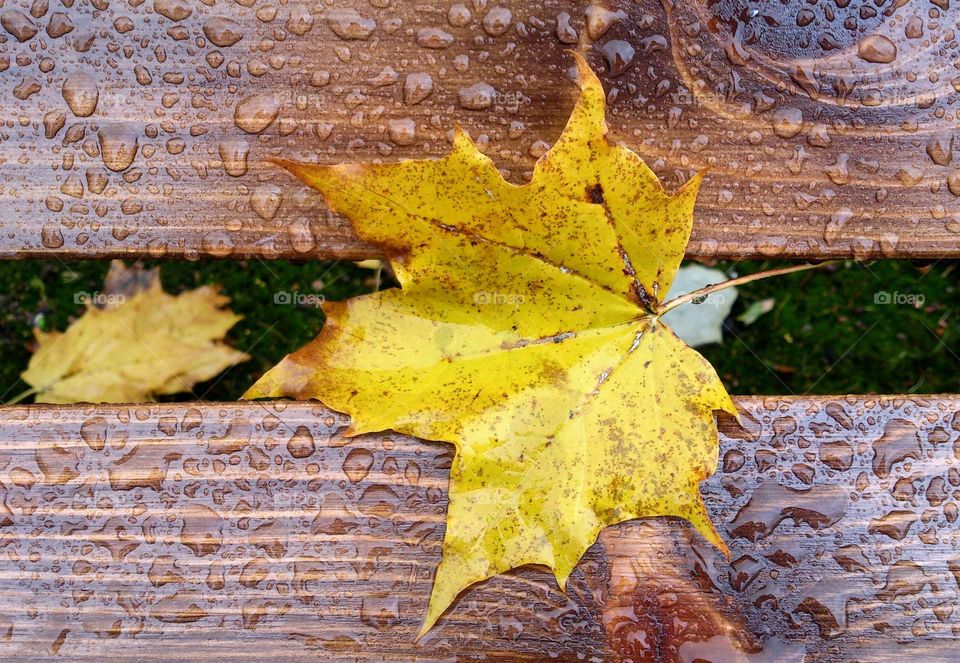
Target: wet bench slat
pixel 142 130
pixel 255 531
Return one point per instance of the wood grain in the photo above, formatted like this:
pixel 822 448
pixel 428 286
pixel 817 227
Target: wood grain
pixel 134 128
pixel 256 531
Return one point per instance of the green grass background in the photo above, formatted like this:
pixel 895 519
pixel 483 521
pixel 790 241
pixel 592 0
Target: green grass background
pixel 825 334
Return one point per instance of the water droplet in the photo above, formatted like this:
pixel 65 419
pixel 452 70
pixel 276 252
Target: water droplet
pixel 834 229
pixel 497 21
pixel 164 571
pixel 50 236
pixel 387 76
pixel 914 28
pixel 600 19
pixel 743 571
pixel 222 31
pixel 953 181
pixel 175 10
pixel 877 49
pixel 459 15
pixel 93 432
pixel 905 578
pixel 618 55
pixel 771 504
pixel 733 460
pixel 378 501
pixel 233 154
pixel 566 33
pixel 18 24
pixel 894 524
pixel 59 25
pixel 300 21
pixel 72 187
pixel 900 441
pixel 403 131
pixel 254 114
pixel 218 244
pixel 118 146
pixel 301 237
pixel 940 147
pixel 349 24
pixel 937 492
pixel 357 464
pixel 477 96
pixel 53 122
pixel 81 93
pixel 201 531
pixel 787 122
pixel 852 559
pixel 301 443
pixel 380 611
pixel 836 455
pixel 839 173
pixel 265 200
pixel 417 87
pixel 434 38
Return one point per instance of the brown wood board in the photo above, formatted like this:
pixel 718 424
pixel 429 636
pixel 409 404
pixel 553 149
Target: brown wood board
pixel 141 128
pixel 256 531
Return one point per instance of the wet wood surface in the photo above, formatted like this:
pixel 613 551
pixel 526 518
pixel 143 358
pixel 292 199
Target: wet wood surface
pixel 255 531
pixel 141 127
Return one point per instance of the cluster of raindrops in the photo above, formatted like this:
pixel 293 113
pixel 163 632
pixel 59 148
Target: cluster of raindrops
pixel 122 523
pixel 852 106
pixel 145 125
pixel 264 524
pixel 844 518
pixel 841 519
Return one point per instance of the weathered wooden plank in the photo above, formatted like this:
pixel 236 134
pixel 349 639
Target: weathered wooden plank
pixel 135 128
pixel 255 531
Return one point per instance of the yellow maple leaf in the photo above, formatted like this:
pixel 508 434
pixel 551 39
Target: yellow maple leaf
pixel 150 343
pixel 525 332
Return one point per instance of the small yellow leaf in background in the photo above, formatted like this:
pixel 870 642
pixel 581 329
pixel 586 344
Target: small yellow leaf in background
pixel 142 343
pixel 525 332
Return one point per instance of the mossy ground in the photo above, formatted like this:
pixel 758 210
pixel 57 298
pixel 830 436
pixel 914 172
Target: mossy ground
pixel 828 332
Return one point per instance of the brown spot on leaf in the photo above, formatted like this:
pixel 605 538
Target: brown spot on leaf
pixel 595 194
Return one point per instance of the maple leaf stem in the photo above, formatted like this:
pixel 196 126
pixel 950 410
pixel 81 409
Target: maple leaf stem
pixel 749 278
pixel 23 394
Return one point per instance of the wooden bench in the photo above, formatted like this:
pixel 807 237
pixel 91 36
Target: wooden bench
pixel 253 531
